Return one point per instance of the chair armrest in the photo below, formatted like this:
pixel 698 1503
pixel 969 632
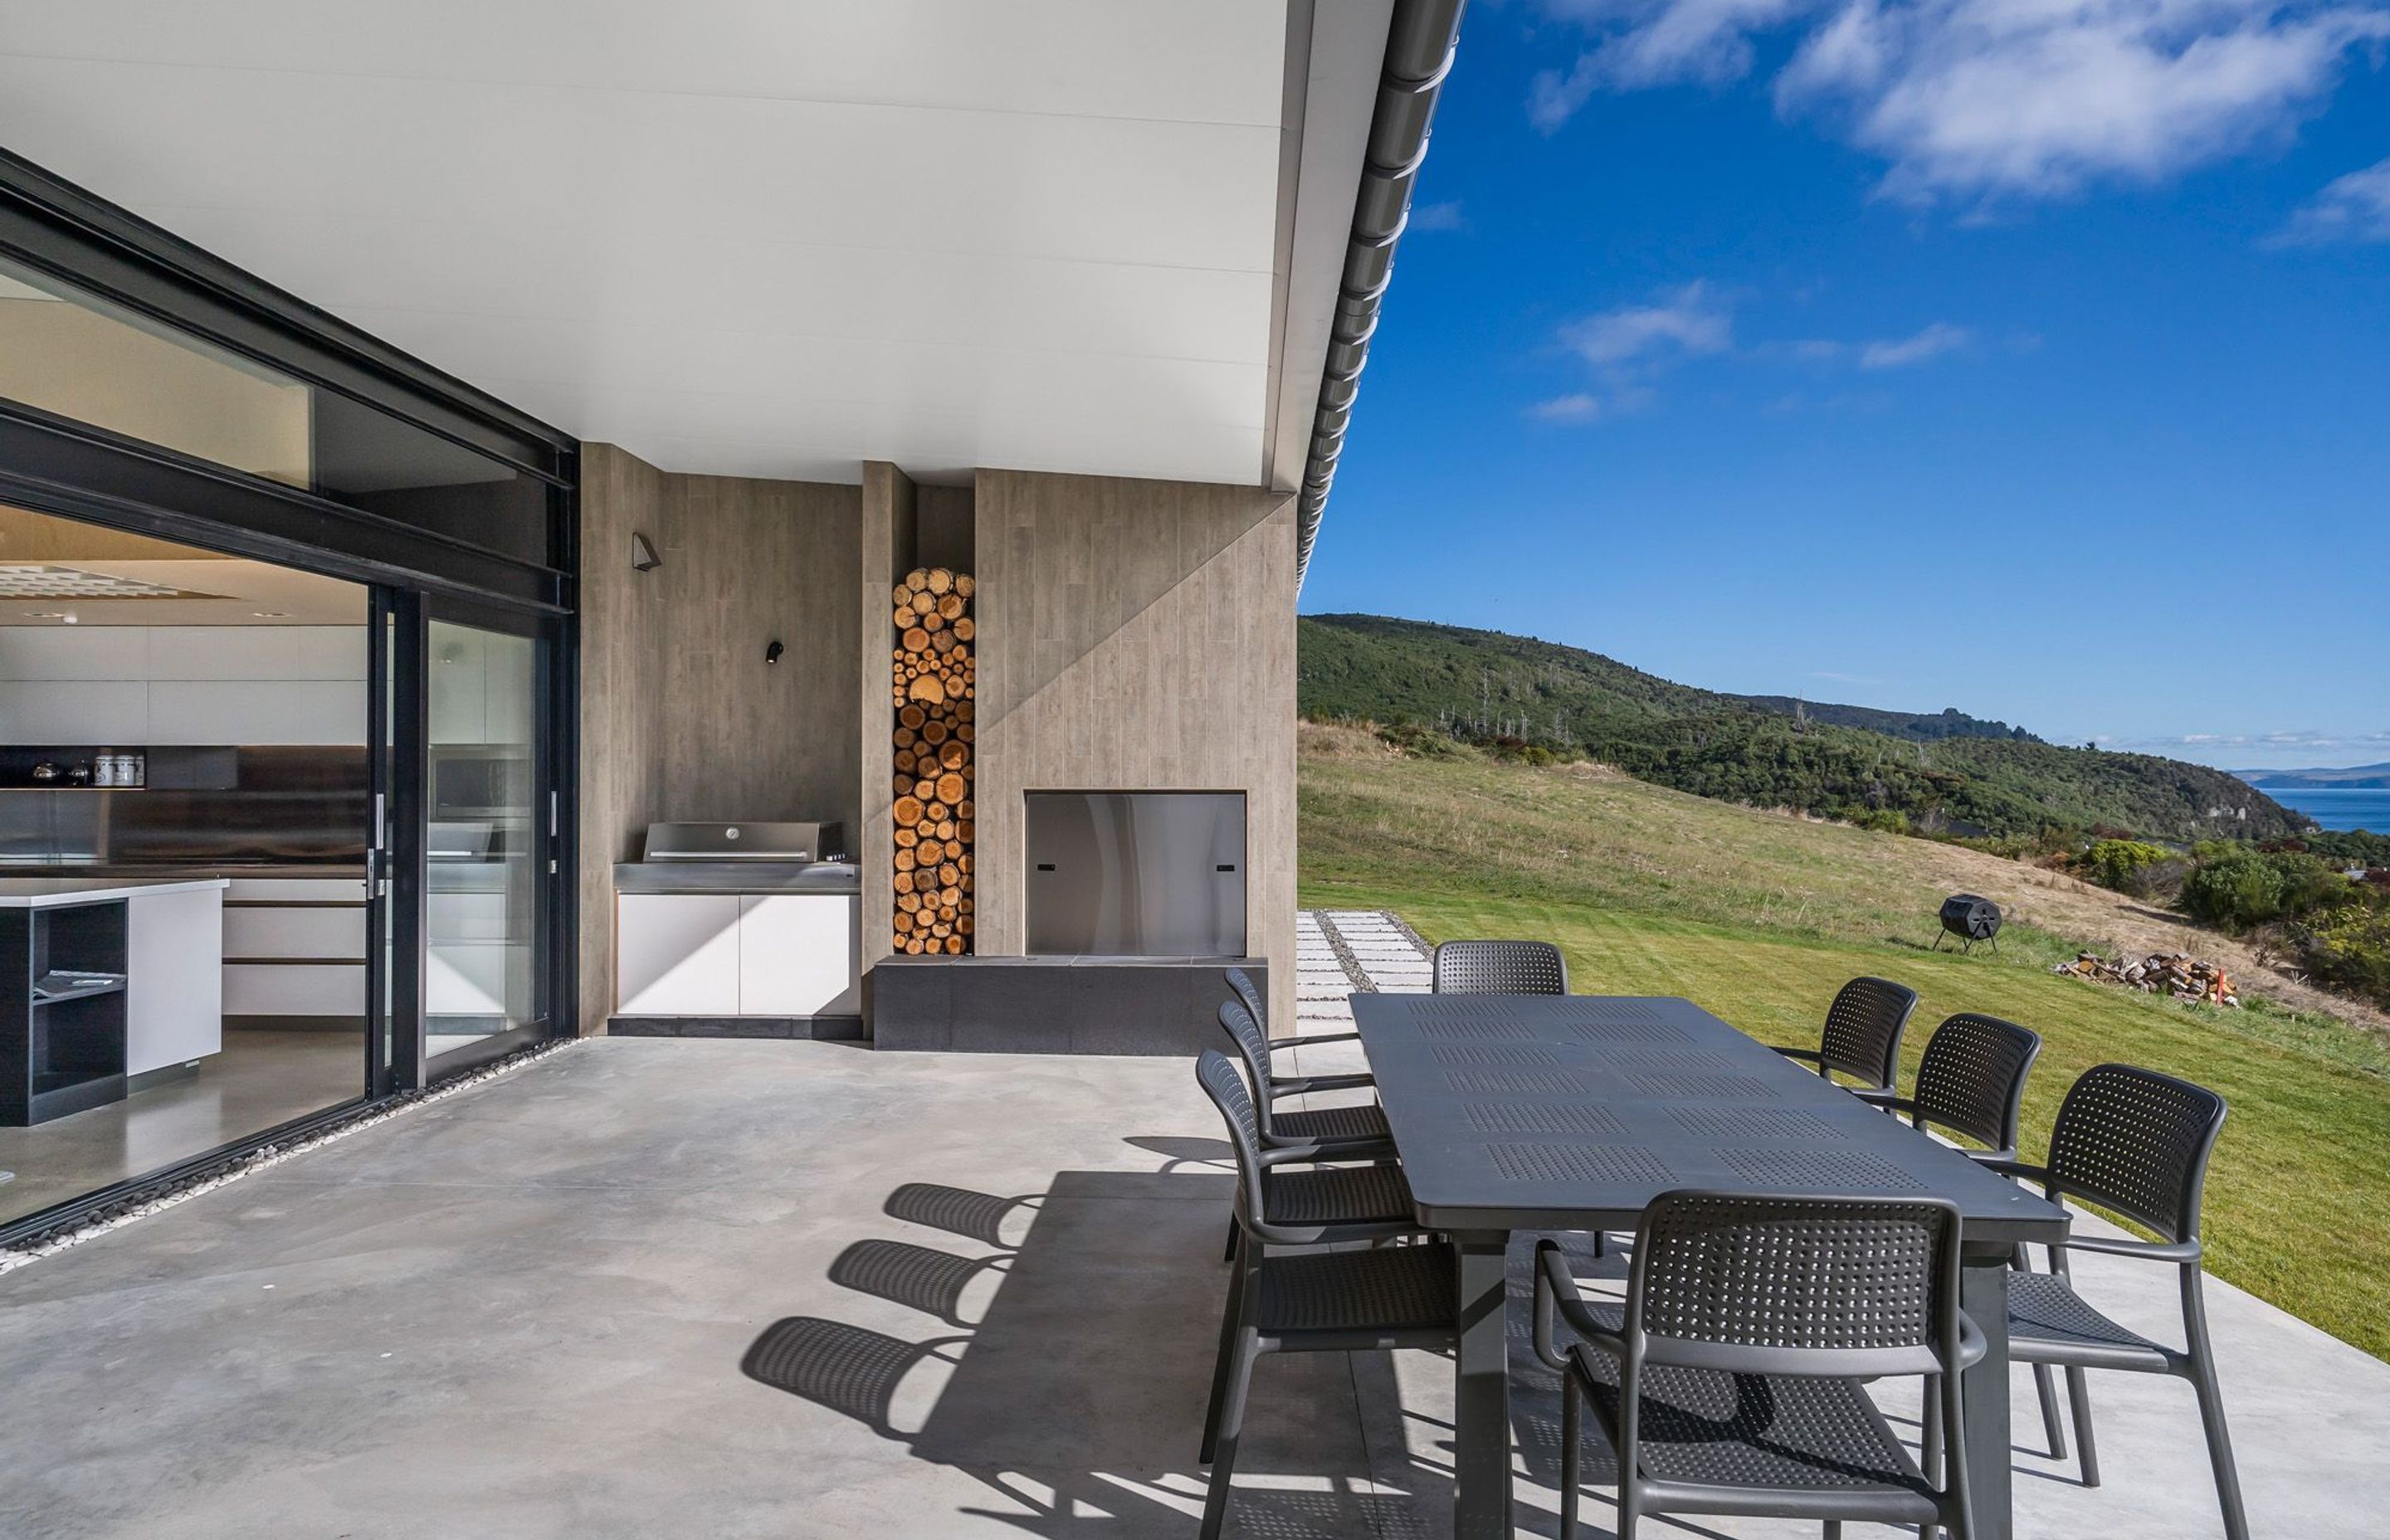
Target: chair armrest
pixel 2012 1167
pixel 1884 1099
pixel 1556 1291
pixel 1971 1345
pixel 1331 1234
pixel 1991 1157
pixel 1375 1152
pixel 1295 1086
pixel 2150 1251
pixel 1814 1055
pixel 1315 1040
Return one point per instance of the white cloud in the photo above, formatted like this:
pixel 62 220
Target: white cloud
pixel 1690 321
pixel 1980 99
pixel 2355 207
pixel 1630 347
pixel 1929 343
pixel 1437 216
pixel 1575 406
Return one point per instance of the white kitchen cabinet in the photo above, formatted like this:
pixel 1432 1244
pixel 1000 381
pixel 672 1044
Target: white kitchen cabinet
pixel 174 1005
pixel 97 711
pixel 796 955
pixel 677 955
pixel 728 954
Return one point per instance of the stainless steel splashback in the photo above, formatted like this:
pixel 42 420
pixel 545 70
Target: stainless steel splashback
pixel 1136 874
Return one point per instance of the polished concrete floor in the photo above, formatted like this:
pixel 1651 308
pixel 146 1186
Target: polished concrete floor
pixel 261 1079
pixel 666 1288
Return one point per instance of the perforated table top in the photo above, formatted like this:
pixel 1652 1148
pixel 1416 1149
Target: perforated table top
pixel 1572 1112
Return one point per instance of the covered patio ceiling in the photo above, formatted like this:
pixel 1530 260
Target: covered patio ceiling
pixel 1089 236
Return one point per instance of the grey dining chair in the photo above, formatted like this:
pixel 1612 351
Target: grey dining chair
pixel 1309 1301
pixel 1500 967
pixel 1319 1131
pixel 1249 995
pixel 1729 1381
pixel 1862 1034
pixel 2135 1143
pixel 1971 1081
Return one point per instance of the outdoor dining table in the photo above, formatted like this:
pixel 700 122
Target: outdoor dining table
pixel 1572 1112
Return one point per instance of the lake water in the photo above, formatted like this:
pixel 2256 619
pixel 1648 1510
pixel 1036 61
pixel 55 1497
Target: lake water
pixel 2339 806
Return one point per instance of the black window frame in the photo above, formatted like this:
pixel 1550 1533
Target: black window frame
pixel 56 465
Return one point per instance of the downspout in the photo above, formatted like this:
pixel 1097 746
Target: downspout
pixel 1420 42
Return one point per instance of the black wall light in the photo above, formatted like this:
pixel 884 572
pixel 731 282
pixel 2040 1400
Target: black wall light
pixel 643 554
pixel 772 653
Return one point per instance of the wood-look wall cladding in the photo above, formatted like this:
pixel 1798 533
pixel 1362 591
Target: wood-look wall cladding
pixel 681 718
pixel 1135 636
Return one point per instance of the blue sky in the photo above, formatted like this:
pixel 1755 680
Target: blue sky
pixel 2026 357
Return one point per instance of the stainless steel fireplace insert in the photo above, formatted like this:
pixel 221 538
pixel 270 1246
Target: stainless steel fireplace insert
pixel 1136 874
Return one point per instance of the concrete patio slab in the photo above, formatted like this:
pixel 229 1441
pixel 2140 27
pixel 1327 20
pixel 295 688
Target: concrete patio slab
pixel 688 1288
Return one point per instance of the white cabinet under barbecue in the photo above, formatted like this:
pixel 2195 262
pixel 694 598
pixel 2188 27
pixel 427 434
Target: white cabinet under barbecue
pixel 721 941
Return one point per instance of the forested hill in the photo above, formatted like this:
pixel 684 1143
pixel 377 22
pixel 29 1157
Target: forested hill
pixel 1940 771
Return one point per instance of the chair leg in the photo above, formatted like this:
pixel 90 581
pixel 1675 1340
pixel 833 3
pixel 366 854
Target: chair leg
pixel 1232 1422
pixel 2078 1392
pixel 1235 1232
pixel 1929 1457
pixel 1572 1456
pixel 1834 1529
pixel 1231 1317
pixel 2211 1408
pixel 1596 1243
pixel 2045 1384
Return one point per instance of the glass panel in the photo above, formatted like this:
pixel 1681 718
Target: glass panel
pixel 79 357
pixel 483 903
pixel 71 353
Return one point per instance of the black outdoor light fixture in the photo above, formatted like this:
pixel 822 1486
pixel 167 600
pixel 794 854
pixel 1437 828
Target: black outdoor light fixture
pixel 643 554
pixel 772 653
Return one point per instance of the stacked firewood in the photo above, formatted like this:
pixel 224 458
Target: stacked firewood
pixel 2176 973
pixel 931 686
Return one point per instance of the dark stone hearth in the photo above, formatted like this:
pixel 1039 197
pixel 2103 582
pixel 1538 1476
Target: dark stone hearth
pixel 1150 1005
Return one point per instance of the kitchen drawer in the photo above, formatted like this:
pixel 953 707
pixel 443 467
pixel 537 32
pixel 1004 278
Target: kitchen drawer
pixel 294 933
pixel 296 889
pixel 466 917
pixel 294 989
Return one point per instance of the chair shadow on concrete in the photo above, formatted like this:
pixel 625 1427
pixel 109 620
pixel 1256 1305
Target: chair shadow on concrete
pixel 1076 1388
pixel 958 1211
pixel 1183 1152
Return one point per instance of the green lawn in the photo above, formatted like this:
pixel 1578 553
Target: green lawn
pixel 1759 918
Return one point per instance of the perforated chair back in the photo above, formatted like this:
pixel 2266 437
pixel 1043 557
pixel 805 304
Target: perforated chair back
pixel 1240 981
pixel 1971 1078
pixel 1863 1030
pixel 1227 1088
pixel 1787 1284
pixel 1500 967
pixel 1252 1046
pixel 2137 1142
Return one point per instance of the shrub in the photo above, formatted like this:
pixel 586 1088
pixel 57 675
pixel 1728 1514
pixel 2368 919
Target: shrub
pixel 2237 892
pixel 2124 864
pixel 2350 947
pixel 2247 887
pixel 1884 820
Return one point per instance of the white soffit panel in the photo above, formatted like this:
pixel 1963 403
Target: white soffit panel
pixel 759 239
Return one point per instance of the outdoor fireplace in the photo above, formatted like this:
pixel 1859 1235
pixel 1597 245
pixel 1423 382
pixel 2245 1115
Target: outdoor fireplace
pixel 1136 874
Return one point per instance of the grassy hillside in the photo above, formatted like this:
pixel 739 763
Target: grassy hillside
pixel 1760 916
pixel 1940 771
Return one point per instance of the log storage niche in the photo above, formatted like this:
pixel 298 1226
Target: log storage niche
pixel 931 687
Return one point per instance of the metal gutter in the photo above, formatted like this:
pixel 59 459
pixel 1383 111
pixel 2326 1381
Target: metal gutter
pixel 1421 42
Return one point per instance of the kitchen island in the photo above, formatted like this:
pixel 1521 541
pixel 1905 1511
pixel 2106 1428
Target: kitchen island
pixel 104 981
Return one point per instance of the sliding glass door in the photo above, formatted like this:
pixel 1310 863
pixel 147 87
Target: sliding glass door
pixel 477 950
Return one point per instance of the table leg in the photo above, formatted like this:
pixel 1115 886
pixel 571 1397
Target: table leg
pixel 1983 1294
pixel 1481 1462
